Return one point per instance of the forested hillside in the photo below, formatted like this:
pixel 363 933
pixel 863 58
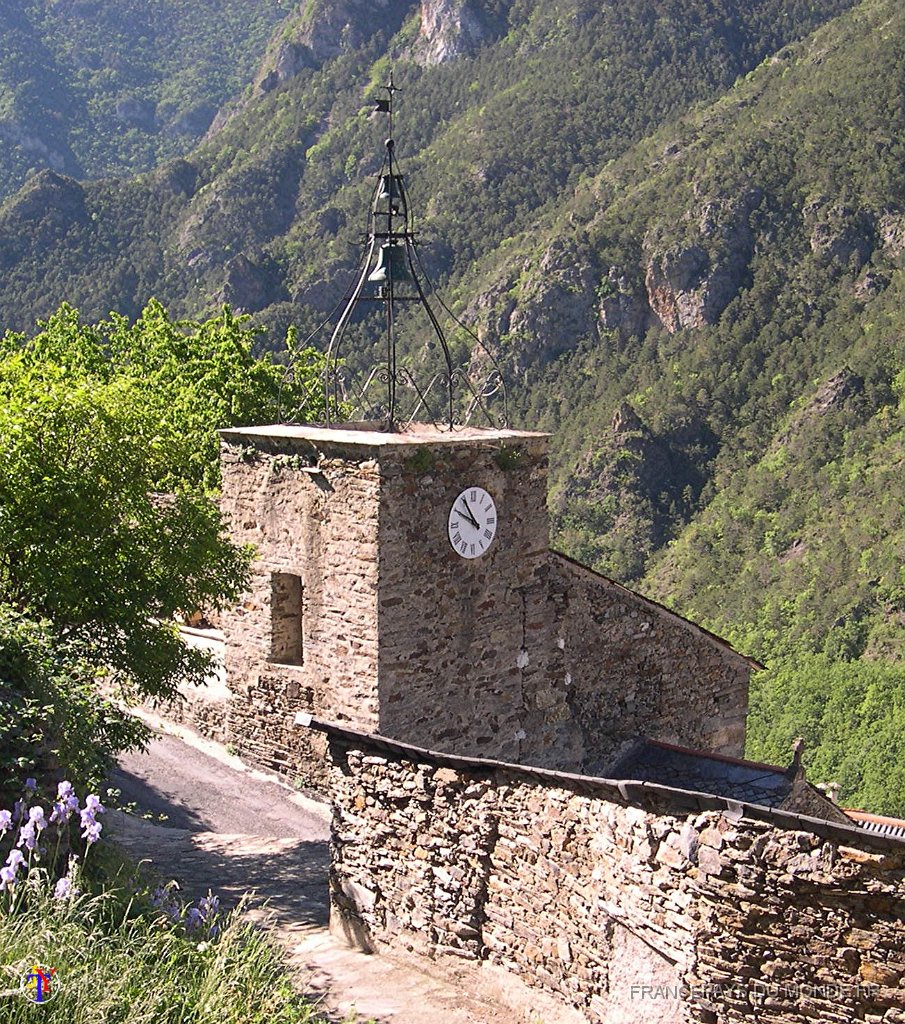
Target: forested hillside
pixel 100 87
pixel 500 116
pixel 680 227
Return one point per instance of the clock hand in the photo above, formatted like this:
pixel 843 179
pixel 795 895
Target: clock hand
pixel 467 513
pixel 470 514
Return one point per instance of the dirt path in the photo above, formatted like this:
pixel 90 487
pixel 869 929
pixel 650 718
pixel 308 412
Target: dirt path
pixel 232 829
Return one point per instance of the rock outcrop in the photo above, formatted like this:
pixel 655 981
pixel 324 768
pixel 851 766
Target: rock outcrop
pixel 48 200
pixel 179 177
pixel 330 27
pixel 47 152
pixel 287 61
pixel 623 304
pixel 556 303
pixel 453 28
pixel 137 113
pixel 690 284
pixel 843 392
pixel 250 286
pixel 839 235
pixel 891 231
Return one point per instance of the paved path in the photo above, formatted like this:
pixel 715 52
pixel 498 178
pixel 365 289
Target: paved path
pixel 232 829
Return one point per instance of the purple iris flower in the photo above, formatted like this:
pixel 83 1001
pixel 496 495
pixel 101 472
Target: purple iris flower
pixel 93 804
pixel 63 888
pixel 36 817
pixel 15 859
pixel 91 829
pixel 63 809
pixel 209 906
pixel 193 919
pixel 6 821
pixel 31 785
pixel 7 878
pixel 163 899
pixel 27 836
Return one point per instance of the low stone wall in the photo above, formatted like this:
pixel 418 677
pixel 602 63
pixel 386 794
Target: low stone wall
pixel 628 902
pixel 261 730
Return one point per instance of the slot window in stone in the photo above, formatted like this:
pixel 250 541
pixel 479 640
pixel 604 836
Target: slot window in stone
pixel 286 645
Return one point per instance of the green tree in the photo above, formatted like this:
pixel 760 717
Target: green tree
pixel 51 714
pixel 852 718
pixel 190 378
pixel 94 421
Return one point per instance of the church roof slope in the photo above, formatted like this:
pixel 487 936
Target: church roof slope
pixel 878 823
pixel 684 768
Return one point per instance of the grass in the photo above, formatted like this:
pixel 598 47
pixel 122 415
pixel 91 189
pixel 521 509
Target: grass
pixel 118 960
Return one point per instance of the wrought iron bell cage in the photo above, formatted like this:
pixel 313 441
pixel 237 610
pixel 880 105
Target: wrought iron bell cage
pixel 390 272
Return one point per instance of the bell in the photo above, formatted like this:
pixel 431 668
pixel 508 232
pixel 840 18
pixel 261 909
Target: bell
pixel 390 190
pixel 392 265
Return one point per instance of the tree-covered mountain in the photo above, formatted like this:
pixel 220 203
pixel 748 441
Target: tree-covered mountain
pixel 100 87
pixel 679 226
pixel 504 108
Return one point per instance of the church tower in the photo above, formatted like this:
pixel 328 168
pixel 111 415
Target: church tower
pixel 399 588
pixel 403 581
pixel 399 558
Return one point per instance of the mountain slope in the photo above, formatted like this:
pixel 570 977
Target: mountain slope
pixel 495 123
pixel 100 87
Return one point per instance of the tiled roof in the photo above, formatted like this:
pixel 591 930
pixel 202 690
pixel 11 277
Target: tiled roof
pixel 703 771
pixel 878 824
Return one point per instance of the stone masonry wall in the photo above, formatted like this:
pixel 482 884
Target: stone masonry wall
pixel 628 910
pixel 320 527
pixel 635 669
pixel 465 644
pixel 523 655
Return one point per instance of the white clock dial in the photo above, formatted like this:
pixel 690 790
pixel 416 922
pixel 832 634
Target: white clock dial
pixel 472 522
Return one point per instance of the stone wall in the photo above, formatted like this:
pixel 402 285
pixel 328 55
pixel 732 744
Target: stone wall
pixel 466 644
pixel 311 513
pixel 631 904
pixel 636 669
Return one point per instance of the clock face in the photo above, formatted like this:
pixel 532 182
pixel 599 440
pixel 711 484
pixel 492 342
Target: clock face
pixel 472 522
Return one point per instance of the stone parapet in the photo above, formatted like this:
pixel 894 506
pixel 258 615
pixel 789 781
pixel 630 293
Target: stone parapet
pixel 628 902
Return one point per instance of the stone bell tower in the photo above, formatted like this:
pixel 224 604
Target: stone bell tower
pixel 399 558
pixel 371 603
pixel 403 581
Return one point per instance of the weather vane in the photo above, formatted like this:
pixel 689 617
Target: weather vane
pixel 390 276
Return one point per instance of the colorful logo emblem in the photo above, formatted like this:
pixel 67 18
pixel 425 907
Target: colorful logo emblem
pixel 40 985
